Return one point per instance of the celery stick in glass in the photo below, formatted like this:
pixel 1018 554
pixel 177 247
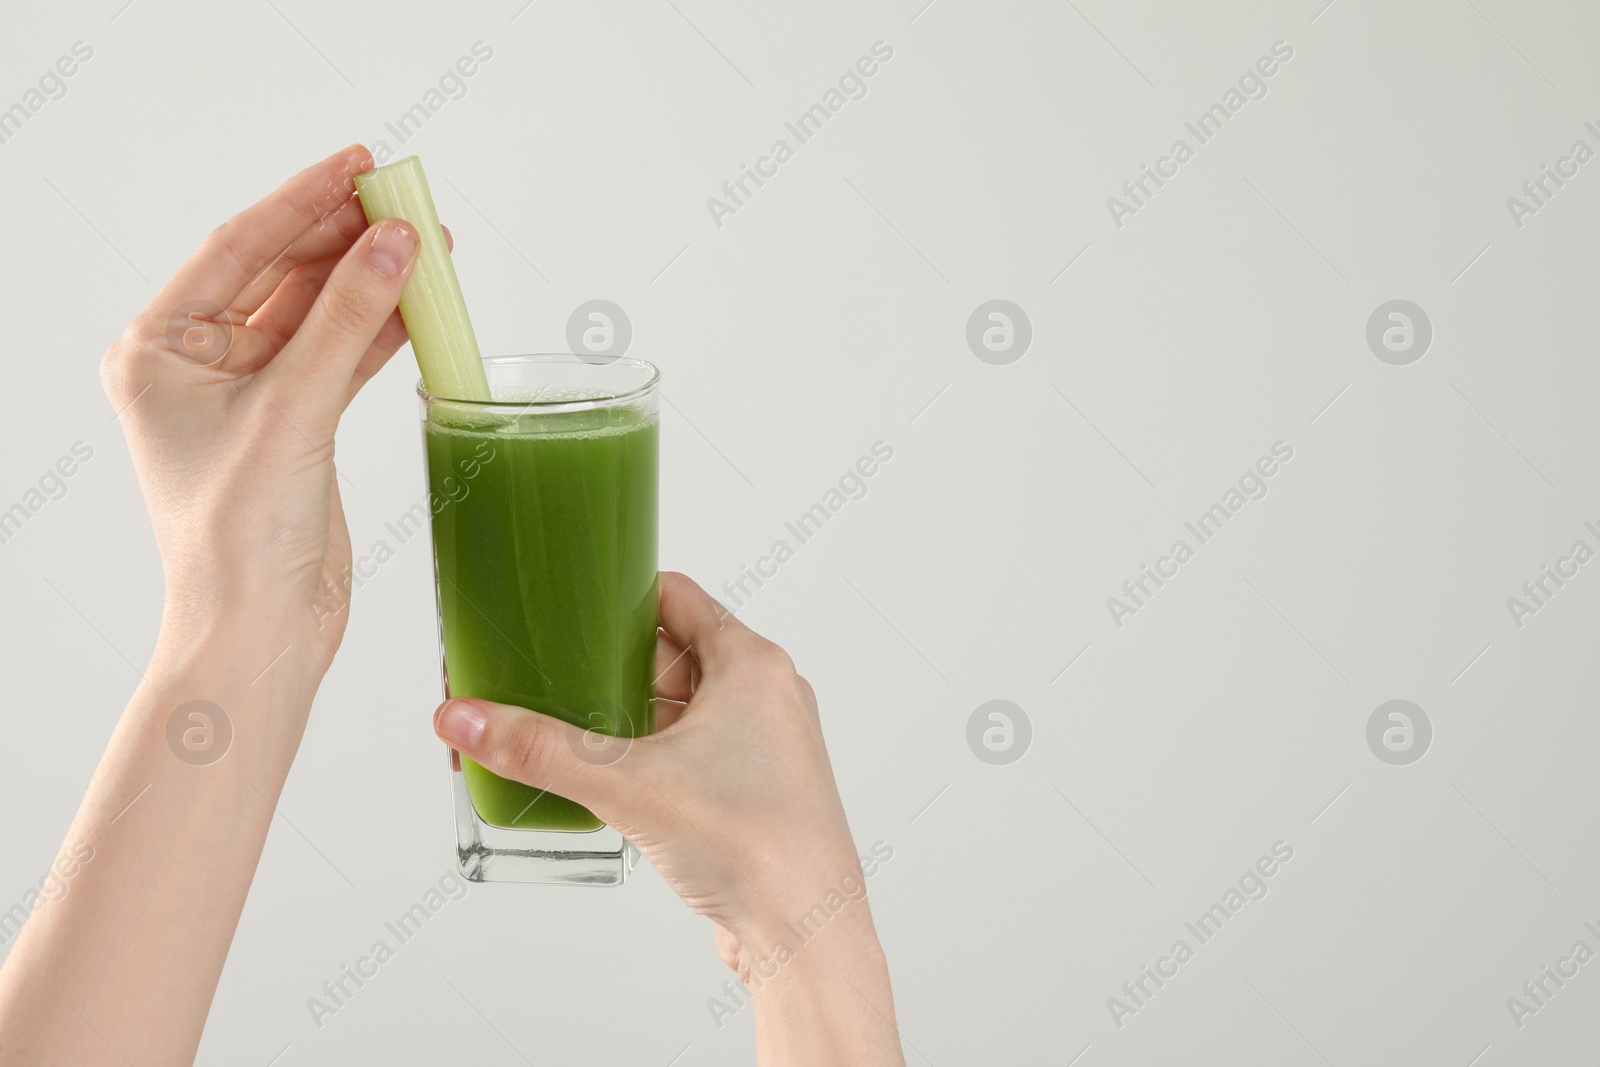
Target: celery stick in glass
pixel 432 306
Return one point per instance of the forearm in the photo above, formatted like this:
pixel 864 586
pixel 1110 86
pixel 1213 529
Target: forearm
pixel 821 992
pixel 122 966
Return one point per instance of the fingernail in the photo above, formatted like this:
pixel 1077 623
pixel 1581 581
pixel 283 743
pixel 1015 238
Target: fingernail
pixel 461 725
pixel 393 245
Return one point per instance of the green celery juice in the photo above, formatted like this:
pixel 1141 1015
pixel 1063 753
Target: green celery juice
pixel 546 558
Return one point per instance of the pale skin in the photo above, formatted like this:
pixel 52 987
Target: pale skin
pixel 733 801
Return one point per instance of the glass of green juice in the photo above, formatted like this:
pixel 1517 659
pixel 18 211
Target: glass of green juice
pixel 543 505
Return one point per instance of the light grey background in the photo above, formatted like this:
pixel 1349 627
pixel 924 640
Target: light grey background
pixel 830 312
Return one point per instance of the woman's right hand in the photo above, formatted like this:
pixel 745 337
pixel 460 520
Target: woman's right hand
pixel 734 803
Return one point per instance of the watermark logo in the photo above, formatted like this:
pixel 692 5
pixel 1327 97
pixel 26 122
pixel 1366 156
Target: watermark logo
pixel 738 191
pixel 199 732
pixel 337 992
pixel 601 743
pixel 1399 332
pixel 51 486
pixel 1539 991
pixel 1252 886
pixel 1399 732
pixel 1137 192
pixel 850 486
pixel 335 596
pixel 450 86
pixel 199 332
pixel 1537 192
pixel 999 732
pixel 763 962
pixel 52 887
pixel 599 331
pixel 51 85
pixel 1252 485
pixel 999 332
pixel 1538 591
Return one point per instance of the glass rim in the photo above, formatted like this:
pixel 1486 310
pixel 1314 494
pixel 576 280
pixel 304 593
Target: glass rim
pixel 652 372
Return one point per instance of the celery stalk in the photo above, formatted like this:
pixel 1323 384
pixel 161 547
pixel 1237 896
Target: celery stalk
pixel 434 310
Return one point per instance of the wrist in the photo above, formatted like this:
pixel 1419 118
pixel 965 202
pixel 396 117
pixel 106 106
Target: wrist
pixel 817 918
pixel 822 994
pixel 246 629
pixel 815 946
pixel 812 885
pixel 249 671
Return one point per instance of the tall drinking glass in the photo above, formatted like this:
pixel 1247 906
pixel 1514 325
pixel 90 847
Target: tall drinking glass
pixel 543 507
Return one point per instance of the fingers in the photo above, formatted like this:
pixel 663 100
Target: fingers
pixel 280 314
pixel 275 323
pixel 696 621
pixel 247 244
pixel 677 673
pixel 315 367
pixel 330 235
pixel 253 350
pixel 385 345
pixel 536 750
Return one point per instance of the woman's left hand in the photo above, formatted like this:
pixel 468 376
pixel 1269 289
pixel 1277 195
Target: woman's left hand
pixel 230 386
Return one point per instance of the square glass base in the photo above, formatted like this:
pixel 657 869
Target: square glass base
pixel 488 853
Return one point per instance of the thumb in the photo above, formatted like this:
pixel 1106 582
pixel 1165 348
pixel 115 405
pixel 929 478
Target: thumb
pixel 536 750
pixel 356 301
